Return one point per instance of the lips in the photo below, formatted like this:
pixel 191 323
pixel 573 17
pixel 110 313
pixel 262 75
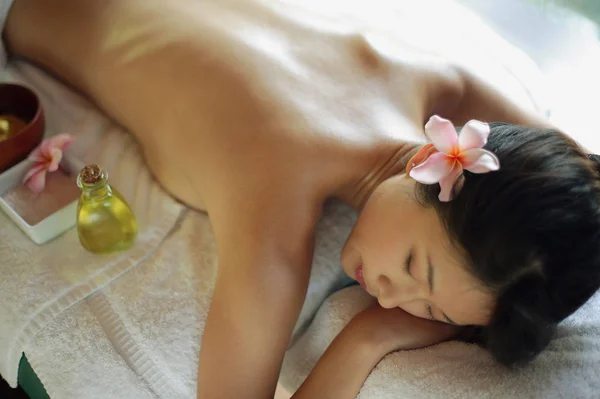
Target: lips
pixel 359 277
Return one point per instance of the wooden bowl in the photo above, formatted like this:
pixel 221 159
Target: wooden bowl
pixel 22 103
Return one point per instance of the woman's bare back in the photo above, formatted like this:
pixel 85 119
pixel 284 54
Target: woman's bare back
pixel 251 92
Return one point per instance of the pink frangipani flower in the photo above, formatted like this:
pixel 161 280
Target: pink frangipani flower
pixel 47 157
pixel 453 154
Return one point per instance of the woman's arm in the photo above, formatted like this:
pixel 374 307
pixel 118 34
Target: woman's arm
pixel 265 245
pixel 455 93
pixel 253 311
pixel 372 334
pixel 460 96
pixel 476 99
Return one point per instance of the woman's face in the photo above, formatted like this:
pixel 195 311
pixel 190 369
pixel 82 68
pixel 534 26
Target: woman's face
pixel 401 254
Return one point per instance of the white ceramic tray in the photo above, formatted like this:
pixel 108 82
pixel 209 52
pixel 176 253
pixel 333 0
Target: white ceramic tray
pixel 54 224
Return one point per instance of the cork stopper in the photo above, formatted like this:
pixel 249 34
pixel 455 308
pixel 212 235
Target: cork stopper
pixel 91 174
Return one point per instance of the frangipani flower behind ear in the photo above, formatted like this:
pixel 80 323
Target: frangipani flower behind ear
pixel 47 157
pixel 454 154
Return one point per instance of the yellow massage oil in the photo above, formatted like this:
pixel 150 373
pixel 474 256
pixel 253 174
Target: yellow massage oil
pixel 105 222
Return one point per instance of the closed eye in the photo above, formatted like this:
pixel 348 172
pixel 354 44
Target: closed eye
pixel 408 262
pixel 430 313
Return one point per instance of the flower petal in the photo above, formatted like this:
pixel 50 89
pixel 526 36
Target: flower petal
pixel 44 152
pixel 434 169
pixel 442 133
pixel 55 159
pixel 422 154
pixel 47 148
pixel 448 182
pixel 37 182
pixel 37 155
pixel 473 135
pixel 61 141
pixel 477 160
pixel 35 168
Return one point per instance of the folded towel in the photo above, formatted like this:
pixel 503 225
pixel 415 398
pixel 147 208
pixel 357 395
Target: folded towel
pixel 40 282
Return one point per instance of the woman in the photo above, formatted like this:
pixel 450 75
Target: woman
pixel 247 110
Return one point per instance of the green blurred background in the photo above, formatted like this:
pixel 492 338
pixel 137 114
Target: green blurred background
pixel 588 8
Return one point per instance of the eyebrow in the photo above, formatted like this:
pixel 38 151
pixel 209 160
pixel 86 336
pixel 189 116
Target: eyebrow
pixel 430 280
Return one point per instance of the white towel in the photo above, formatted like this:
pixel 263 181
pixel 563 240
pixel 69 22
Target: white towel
pixel 140 336
pixel 40 282
pixel 568 368
pixel 4 7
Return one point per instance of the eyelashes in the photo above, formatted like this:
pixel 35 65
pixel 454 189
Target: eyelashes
pixel 408 262
pixel 430 313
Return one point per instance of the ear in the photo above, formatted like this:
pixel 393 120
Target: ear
pixel 420 157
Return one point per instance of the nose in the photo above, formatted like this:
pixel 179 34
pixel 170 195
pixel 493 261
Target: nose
pixel 399 293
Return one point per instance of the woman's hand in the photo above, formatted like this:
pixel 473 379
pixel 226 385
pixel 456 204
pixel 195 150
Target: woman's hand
pixel 390 330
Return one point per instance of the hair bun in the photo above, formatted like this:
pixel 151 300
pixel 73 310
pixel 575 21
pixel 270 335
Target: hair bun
pixel 522 325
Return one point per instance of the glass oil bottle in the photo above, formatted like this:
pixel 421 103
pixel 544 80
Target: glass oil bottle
pixel 105 222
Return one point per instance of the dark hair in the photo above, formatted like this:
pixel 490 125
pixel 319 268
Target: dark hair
pixel 530 233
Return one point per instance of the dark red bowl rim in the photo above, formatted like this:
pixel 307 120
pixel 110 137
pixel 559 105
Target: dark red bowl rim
pixel 36 116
